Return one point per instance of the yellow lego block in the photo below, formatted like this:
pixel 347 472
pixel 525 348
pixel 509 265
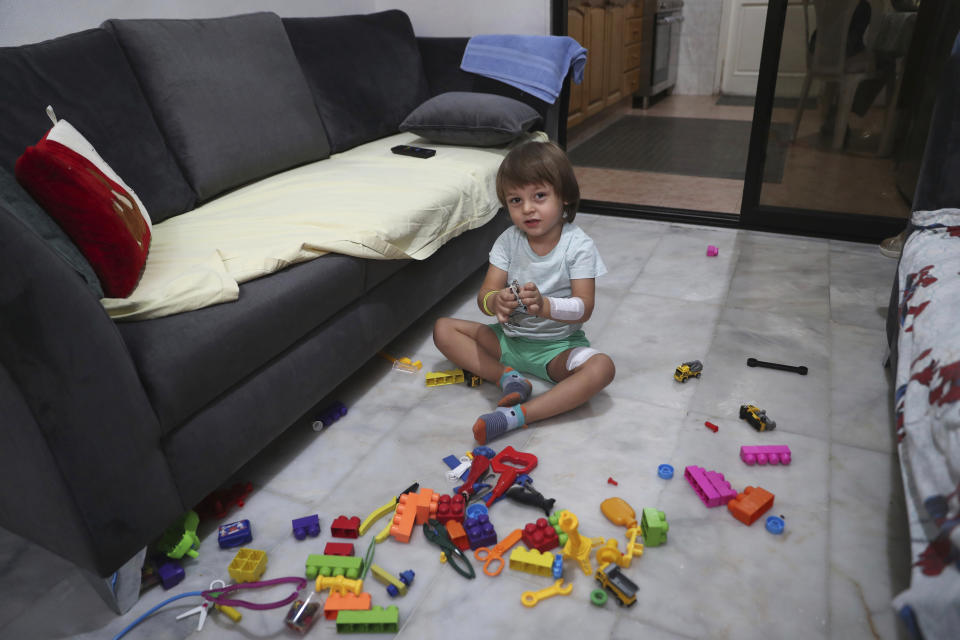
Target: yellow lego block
pixel 248 565
pixel 532 561
pixel 384 576
pixel 438 378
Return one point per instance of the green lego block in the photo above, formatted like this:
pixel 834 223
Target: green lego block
pixel 654 527
pixel 327 566
pixel 376 620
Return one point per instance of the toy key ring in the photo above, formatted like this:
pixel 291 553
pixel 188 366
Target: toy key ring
pixel 489 556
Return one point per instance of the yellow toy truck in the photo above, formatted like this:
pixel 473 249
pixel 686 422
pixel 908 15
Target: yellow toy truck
pixel 688 370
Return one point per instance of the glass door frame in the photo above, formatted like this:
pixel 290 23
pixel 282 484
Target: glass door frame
pixel 753 215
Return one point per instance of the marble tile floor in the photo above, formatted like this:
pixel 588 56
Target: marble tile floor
pixel 831 574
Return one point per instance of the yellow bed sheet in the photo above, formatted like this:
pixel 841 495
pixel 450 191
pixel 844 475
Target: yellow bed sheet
pixel 365 202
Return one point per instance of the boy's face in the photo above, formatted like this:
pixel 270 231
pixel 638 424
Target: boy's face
pixel 536 210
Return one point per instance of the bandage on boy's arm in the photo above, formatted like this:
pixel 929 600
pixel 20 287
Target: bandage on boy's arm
pixel 578 307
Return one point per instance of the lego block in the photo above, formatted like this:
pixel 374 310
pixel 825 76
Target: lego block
pixel 338 549
pixel 458 534
pixel 306 526
pixel 654 527
pixel 557 567
pixel 404 518
pixel 339 584
pixel 234 534
pixel 344 527
pixel 376 620
pixel 324 565
pixel 248 565
pixel 337 602
pixel 767 454
pixel 427 503
pixel 540 535
pixel 439 378
pixel 709 486
pixel 170 572
pixel 451 508
pixel 750 505
pixel 554 521
pixel 532 561
pixel 480 532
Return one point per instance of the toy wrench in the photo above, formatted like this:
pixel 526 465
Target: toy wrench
pixel 501 463
pixel 496 554
pixel 531 598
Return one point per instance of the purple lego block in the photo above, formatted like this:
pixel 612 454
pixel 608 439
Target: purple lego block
pixel 710 486
pixel 306 526
pixel 767 454
pixel 480 532
pixel 170 572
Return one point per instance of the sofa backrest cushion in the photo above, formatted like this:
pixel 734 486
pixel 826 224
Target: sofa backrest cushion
pixel 228 95
pixel 365 73
pixel 86 79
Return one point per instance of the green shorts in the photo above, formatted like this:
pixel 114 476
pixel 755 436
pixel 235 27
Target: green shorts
pixel 533 356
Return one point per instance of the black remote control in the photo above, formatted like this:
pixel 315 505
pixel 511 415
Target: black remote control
pixel 414 152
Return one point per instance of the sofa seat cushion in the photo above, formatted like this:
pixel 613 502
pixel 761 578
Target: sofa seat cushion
pixel 366 202
pixel 188 359
pixel 365 73
pixel 87 80
pixel 228 94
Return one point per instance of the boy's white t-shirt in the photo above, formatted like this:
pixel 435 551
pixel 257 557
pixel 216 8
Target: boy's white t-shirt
pixel 574 257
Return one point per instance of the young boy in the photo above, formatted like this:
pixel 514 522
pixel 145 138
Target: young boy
pixel 538 328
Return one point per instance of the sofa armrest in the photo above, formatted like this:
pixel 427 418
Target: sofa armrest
pixel 71 385
pixel 441 62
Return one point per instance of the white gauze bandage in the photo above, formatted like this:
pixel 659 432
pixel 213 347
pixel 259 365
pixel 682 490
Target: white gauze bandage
pixel 566 308
pixel 579 355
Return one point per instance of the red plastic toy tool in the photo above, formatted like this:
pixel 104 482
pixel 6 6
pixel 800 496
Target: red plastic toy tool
pixel 478 469
pixel 526 462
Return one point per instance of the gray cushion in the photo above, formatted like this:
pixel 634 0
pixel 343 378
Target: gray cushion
pixel 475 119
pixel 365 73
pixel 21 205
pixel 228 94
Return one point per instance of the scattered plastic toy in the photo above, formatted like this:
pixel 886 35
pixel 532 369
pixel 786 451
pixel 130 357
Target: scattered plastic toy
pixel 665 471
pixel 441 378
pixel 613 482
pixel 688 370
pixel 330 415
pixel 305 526
pixel 302 614
pixel 712 251
pixel 524 493
pixel 181 539
pixel 598 597
pixel 218 502
pixel 753 362
pixel 613 580
pixel 234 534
pixel 775 525
pixel 767 454
pixel 748 506
pixel 757 417
pixel 531 598
pixel 711 426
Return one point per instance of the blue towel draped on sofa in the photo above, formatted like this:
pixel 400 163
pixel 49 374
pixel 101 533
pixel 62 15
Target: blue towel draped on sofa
pixel 535 64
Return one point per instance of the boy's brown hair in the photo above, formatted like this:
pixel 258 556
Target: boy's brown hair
pixel 540 163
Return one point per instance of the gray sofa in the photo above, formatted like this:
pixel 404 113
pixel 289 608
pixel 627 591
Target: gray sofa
pixel 113 429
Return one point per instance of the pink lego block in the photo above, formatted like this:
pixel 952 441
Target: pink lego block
pixel 713 490
pixel 712 251
pixel 767 454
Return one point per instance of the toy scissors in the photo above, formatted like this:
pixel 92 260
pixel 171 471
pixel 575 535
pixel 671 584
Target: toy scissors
pixel 437 534
pixel 496 554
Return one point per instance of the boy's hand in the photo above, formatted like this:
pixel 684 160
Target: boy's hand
pixel 504 304
pixel 530 296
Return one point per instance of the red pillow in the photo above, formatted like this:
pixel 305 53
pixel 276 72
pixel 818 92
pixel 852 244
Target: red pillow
pixel 99 212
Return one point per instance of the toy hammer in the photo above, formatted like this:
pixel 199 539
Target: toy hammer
pixel 753 362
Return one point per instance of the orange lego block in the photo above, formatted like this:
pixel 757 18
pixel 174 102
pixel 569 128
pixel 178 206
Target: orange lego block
pixel 404 518
pixel 426 502
pixel 337 602
pixel 458 535
pixel 750 505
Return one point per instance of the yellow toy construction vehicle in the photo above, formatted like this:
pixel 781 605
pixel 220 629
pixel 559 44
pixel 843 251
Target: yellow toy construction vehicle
pixel 688 370
pixel 757 417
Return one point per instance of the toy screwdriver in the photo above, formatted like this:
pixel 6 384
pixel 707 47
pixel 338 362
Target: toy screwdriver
pixel 385 509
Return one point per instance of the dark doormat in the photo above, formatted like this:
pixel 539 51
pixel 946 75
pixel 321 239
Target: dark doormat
pixel 747 101
pixel 684 146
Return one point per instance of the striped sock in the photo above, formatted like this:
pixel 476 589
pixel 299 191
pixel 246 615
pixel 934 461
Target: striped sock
pixel 516 388
pixel 495 424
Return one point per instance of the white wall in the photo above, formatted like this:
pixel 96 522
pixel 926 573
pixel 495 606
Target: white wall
pixel 25 21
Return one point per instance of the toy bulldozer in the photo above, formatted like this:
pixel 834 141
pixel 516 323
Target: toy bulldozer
pixel 688 370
